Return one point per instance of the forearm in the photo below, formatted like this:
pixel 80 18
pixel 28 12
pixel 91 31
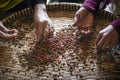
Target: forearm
pixel 116 25
pixel 39 7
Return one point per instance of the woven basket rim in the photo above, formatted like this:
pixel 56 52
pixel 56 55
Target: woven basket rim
pixel 54 7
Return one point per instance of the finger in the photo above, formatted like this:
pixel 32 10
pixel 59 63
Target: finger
pixel 111 44
pixel 46 32
pixel 2 27
pixel 99 37
pixel 39 32
pixel 100 43
pixel 51 31
pixel 105 45
pixel 7 36
pixel 87 32
pixel 2 34
pixel 76 19
pixel 12 31
pixel 15 31
pixel 82 31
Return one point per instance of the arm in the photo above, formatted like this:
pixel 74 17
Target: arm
pixel 104 39
pixel 42 21
pixel 116 25
pixel 92 5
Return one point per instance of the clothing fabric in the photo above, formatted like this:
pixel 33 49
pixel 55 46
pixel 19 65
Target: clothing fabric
pixel 34 2
pixel 8 4
pixel 15 5
pixel 113 7
pixel 22 5
pixel 94 5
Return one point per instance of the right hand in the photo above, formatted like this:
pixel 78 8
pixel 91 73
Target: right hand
pixel 106 38
pixel 7 33
pixel 44 26
pixel 84 20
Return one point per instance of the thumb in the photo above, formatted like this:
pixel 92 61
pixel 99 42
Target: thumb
pixel 75 21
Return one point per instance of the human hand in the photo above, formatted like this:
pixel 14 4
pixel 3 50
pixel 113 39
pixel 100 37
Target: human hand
pixel 44 27
pixel 7 33
pixel 106 38
pixel 84 20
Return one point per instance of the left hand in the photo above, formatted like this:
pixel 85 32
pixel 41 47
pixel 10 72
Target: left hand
pixel 6 33
pixel 106 38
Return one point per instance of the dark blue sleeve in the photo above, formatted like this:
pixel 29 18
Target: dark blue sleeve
pixel 34 2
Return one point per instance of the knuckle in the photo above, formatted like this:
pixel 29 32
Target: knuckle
pixel 52 29
pixel 87 26
pixel 41 21
pixel 101 32
pixel 44 21
pixel 97 46
pixel 104 36
pixel 77 13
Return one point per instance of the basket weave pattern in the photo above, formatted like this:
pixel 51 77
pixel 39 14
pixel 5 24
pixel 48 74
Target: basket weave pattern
pixel 15 55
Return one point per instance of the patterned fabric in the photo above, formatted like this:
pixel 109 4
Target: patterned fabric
pixel 8 4
pixel 114 7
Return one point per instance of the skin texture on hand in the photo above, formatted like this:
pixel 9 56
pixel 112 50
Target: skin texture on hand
pixel 7 33
pixel 84 20
pixel 44 27
pixel 106 38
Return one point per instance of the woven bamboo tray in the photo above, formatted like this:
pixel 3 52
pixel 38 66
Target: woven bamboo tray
pixel 78 62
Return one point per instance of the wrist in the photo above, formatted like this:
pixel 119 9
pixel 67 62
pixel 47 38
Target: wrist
pixel 39 11
pixel 40 7
pixel 82 11
pixel 83 8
